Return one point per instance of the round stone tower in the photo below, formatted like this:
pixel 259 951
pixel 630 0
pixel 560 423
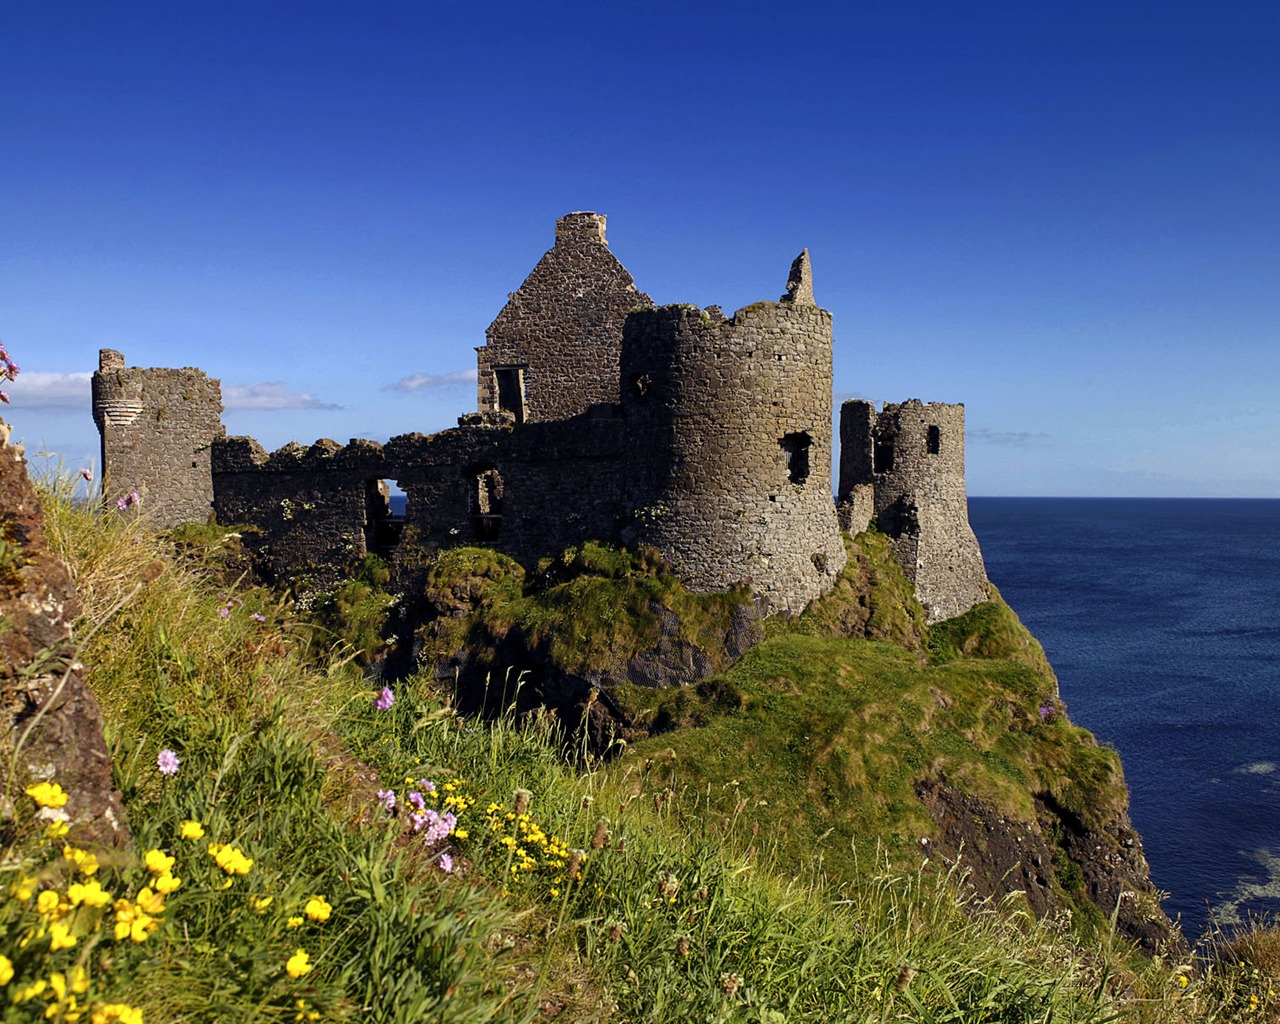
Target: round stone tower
pixel 730 439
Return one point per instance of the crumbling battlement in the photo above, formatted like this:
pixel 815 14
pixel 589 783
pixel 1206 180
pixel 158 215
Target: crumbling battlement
pixel 600 417
pixel 903 468
pixel 156 428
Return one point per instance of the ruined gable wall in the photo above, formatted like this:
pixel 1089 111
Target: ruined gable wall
pixel 920 499
pixel 711 404
pixel 156 426
pixel 563 325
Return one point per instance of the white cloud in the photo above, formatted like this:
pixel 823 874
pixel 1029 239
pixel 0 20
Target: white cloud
pixel 34 389
pixel 1007 438
pixel 424 381
pixel 269 395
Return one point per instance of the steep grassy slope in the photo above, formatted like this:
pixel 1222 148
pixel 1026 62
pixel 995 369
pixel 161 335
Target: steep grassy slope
pixel 863 729
pixel 576 890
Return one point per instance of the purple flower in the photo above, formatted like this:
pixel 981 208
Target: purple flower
pixel 438 826
pixel 385 699
pixel 258 617
pixel 418 800
pixel 446 863
pixel 1046 712
pixel 168 762
pixel 427 785
pixel 388 798
pixel 224 612
pixel 87 474
pixel 129 501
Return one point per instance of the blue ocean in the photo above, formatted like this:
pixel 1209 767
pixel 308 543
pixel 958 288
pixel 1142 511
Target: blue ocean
pixel 1161 618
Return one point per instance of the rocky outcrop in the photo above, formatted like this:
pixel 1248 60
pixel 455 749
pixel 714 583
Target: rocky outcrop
pixel 485 628
pixel 1056 861
pixel 48 717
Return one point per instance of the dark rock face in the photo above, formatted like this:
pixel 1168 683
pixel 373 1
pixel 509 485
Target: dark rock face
pixel 1052 860
pixel 46 711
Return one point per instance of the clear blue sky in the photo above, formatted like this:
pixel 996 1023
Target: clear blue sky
pixel 1066 216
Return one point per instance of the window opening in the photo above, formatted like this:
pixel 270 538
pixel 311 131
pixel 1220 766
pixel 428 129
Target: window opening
pixel 383 526
pixel 933 442
pixel 486 502
pixel 796 448
pixel 510 384
pixel 882 456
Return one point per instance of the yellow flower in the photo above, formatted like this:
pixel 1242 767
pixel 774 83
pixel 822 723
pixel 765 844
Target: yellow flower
pixel 293 922
pixel 117 1013
pixel 158 862
pixel 60 937
pixel 192 830
pixel 259 904
pixel 318 909
pixel 231 860
pixel 47 794
pixel 78 984
pixel 86 863
pixel 461 833
pixel 151 902
pixel 298 964
pixel 90 893
pixel 6 970
pixel 47 902
pixel 24 888
pixel 1183 982
pixel 133 922
pixel 57 829
pixel 167 883
pixel 36 988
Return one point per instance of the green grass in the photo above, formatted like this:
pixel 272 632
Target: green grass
pixel 580 891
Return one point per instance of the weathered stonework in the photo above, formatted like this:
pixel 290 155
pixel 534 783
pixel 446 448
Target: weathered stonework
pixel 553 350
pixel 730 446
pixel 599 417
pixel 156 428
pixel 910 459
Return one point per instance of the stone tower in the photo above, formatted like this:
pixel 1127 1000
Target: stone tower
pixel 156 427
pixel 904 468
pixel 730 439
pixel 553 350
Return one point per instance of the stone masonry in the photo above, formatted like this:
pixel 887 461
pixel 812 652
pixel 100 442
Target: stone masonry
pixel 553 350
pixel 729 423
pixel 903 468
pixel 157 427
pixel 600 417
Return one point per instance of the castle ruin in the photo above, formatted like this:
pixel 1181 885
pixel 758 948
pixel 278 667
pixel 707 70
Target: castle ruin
pixel 599 417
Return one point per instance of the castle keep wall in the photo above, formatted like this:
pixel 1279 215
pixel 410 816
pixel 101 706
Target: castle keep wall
pixel 731 447
pixel 156 426
pixel 553 350
pixel 911 455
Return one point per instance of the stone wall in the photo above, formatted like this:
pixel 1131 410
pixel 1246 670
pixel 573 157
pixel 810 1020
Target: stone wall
pixel 156 427
pixel 553 351
pixel 912 456
pixel 529 491
pixel 730 443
